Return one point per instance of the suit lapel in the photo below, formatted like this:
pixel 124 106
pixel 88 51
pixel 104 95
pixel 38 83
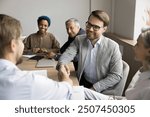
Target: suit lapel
pixel 85 50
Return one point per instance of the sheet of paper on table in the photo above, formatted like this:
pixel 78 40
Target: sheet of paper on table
pixel 29 56
pixel 46 63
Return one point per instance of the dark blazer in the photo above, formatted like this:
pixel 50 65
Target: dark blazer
pixel 70 40
pixel 67 44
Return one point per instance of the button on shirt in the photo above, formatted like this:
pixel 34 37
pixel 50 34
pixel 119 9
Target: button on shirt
pixel 90 62
pixel 26 85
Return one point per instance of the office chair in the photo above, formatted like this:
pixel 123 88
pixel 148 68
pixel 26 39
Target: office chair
pixel 118 89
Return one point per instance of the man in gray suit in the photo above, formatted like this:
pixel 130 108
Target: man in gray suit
pixel 100 61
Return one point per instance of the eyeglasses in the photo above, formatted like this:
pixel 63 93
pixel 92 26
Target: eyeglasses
pixel 95 27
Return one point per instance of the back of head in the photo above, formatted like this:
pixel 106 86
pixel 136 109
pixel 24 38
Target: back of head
pixel 10 29
pixel 101 15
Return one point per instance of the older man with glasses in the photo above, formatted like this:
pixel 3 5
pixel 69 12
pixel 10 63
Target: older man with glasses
pixel 100 61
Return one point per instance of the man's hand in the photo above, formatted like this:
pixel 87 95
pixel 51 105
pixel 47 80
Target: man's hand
pixel 63 74
pixel 148 21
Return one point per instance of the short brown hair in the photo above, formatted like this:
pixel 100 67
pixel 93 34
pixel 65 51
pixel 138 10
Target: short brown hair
pixel 10 28
pixel 101 15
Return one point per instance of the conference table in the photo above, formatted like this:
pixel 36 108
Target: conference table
pixel 30 65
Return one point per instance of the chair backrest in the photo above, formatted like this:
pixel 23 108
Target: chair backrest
pixel 118 89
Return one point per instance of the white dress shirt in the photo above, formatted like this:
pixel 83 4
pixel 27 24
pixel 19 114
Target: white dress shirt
pixel 90 62
pixel 26 85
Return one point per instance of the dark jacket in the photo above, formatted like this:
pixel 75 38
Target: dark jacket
pixel 67 44
pixel 70 40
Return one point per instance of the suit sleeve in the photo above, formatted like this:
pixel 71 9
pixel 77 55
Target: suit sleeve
pixel 70 53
